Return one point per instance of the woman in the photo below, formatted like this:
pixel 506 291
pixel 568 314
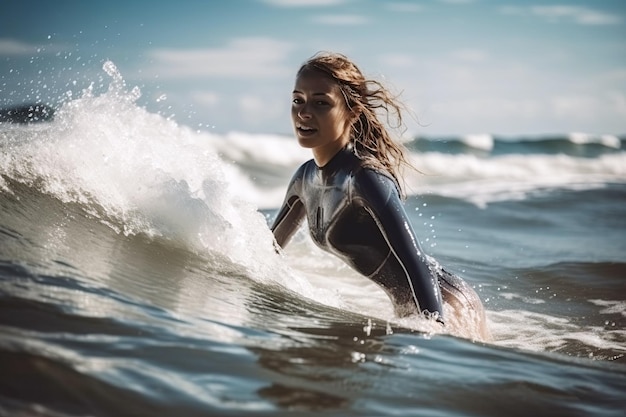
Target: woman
pixel 350 192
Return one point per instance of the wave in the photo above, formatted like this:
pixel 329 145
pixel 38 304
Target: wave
pixel 148 174
pixel 598 335
pixel 268 161
pixel 609 141
pixel 574 144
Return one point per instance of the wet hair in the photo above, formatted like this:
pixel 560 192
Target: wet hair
pixel 366 99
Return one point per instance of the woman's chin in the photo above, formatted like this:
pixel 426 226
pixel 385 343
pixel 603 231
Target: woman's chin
pixel 306 141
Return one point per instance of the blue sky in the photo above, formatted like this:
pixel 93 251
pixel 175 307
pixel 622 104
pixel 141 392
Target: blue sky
pixel 463 66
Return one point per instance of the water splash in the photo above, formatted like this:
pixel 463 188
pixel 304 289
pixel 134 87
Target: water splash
pixel 141 174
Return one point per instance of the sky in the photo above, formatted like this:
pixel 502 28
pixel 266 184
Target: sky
pixel 462 66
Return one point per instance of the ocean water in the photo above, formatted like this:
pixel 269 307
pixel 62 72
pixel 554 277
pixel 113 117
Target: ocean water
pixel 138 276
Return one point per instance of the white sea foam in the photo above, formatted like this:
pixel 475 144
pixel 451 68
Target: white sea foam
pixel 482 141
pixel 541 332
pixel 261 149
pixel 511 177
pixel 610 141
pixel 141 173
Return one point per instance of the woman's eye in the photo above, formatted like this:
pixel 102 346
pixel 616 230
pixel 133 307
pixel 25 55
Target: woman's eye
pixel 297 101
pixel 321 103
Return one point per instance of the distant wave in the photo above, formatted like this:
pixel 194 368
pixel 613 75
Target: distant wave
pixel 446 168
pixel 610 141
pixel 574 144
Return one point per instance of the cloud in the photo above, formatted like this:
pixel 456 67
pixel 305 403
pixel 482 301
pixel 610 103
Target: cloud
pixel 617 75
pixel 16 47
pixel 605 111
pixel 487 109
pixel 493 114
pixel 456 1
pixel 398 60
pixel 259 109
pixel 208 98
pixel 512 10
pixel 341 19
pixel 403 7
pixel 470 55
pixel 618 101
pixel 577 14
pixel 13 47
pixel 251 104
pixel 303 3
pixel 587 106
pixel 244 57
pixel 573 105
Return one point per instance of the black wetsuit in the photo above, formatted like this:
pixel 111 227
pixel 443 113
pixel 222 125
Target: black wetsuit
pixel 356 213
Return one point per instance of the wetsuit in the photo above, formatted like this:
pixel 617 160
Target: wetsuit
pixel 355 213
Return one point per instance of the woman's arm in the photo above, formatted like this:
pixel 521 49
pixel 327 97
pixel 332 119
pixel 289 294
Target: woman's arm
pixel 291 214
pixel 379 196
pixel 288 220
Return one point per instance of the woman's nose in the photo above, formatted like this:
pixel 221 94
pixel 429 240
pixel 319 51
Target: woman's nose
pixel 304 113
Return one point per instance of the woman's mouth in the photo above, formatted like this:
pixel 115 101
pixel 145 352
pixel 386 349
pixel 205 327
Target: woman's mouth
pixel 305 130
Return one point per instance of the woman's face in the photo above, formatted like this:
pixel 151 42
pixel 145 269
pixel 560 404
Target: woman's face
pixel 320 116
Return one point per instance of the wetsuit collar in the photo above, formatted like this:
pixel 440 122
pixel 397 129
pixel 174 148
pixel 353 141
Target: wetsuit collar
pixel 337 158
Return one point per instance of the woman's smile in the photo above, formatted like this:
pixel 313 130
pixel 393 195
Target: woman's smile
pixel 304 130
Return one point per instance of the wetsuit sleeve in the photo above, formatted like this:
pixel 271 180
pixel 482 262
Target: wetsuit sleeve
pixel 378 194
pixel 291 214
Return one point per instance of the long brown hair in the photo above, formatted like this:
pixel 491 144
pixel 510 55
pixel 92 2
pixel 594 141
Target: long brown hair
pixel 366 98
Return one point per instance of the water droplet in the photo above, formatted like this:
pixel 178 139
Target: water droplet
pixel 368 329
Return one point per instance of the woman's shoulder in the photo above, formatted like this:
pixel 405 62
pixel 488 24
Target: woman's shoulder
pixel 367 172
pixel 368 181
